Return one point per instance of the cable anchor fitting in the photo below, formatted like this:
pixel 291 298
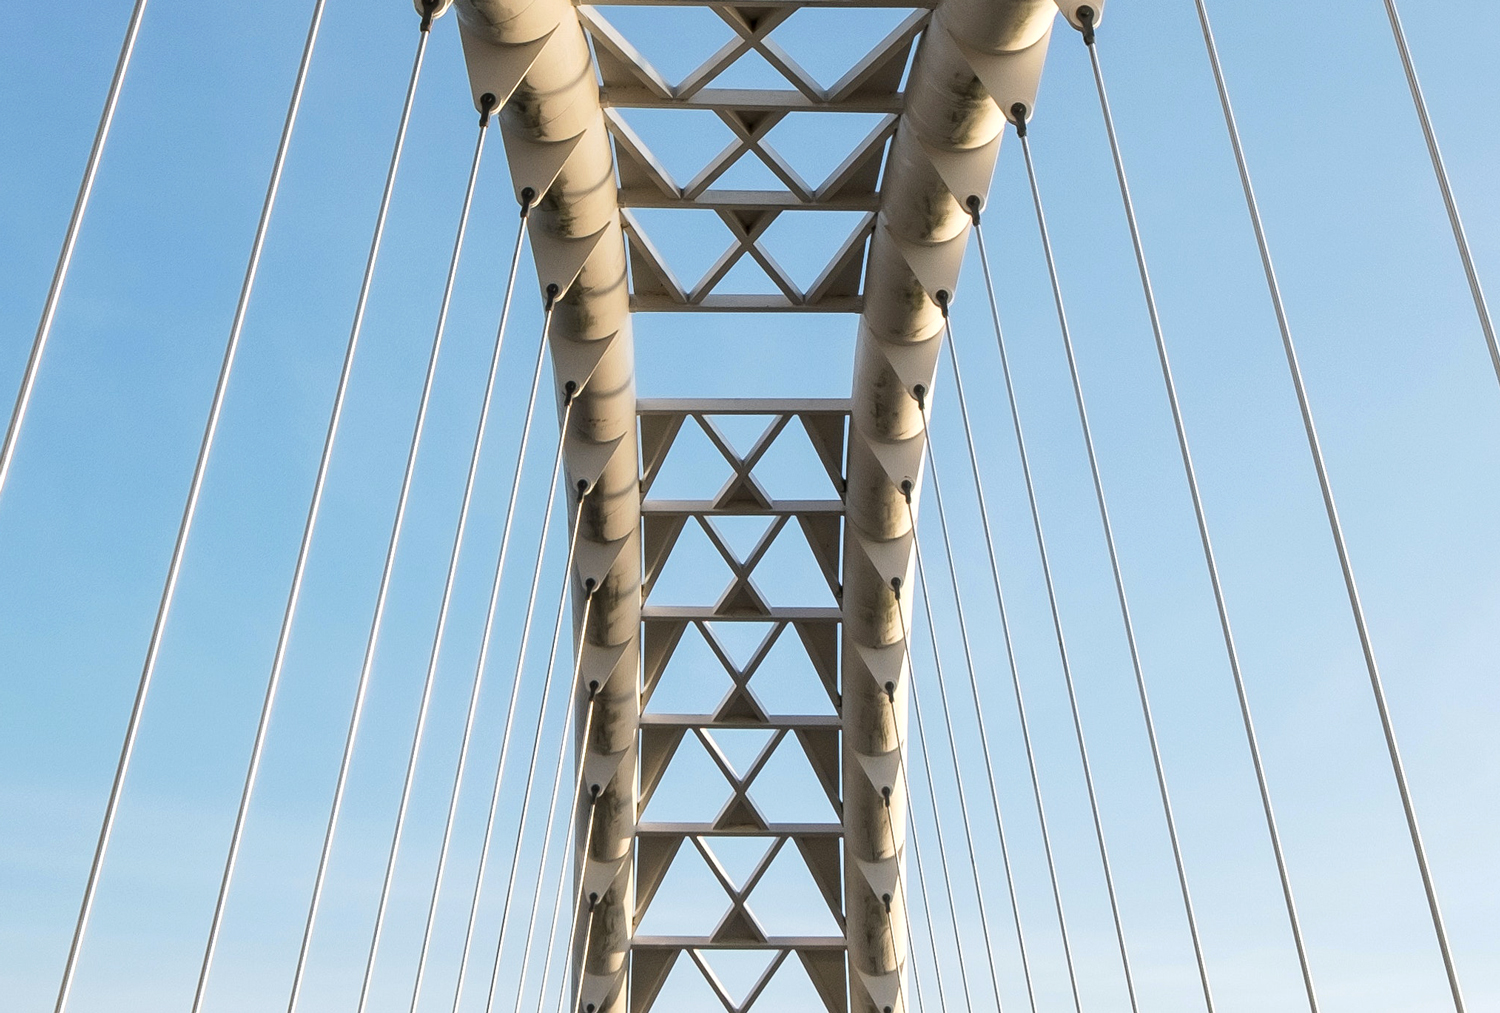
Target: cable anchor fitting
pixel 1018 114
pixel 974 203
pixel 528 200
pixel 429 11
pixel 552 293
pixel 1086 17
pixel 487 103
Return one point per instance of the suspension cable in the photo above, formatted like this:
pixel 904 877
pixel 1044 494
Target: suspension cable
pixel 70 242
pixel 1315 449
pixel 1056 623
pixel 1114 560
pixel 541 714
pixel 569 837
pixel 397 525
pixel 591 900
pixel 299 572
pixel 963 794
pixel 481 666
pixel 189 511
pixel 916 706
pixel 890 695
pixel 439 631
pixel 557 780
pixel 570 391
pixel 963 631
pixel 1460 239
pixel 1010 654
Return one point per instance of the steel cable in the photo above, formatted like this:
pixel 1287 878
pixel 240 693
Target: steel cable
pixel 455 554
pixel 1232 652
pixel 1067 673
pixel 916 706
pixel 963 794
pixel 541 715
pixel 304 549
pixel 1015 672
pixel 557 780
pixel 1116 572
pixel 984 740
pixel 1460 239
pixel 189 512
pixel 70 243
pixel 393 544
pixel 481 665
pixel 1315 449
pixel 557 906
pixel 505 741
pixel 588 842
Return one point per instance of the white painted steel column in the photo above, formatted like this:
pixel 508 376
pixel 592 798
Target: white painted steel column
pixel 944 151
pixel 533 53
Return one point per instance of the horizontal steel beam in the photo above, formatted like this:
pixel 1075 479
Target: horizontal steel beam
pixel 739 405
pixel 792 722
pixel 710 830
pixel 770 943
pixel 747 200
pixel 731 100
pixel 707 613
pixel 706 508
pixel 745 304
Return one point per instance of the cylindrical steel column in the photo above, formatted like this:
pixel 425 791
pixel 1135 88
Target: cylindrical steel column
pixel 948 115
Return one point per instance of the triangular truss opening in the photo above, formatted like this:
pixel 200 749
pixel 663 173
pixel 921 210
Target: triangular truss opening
pixel 689 901
pixel 789 576
pixel 739 973
pixel 805 243
pixel 817 143
pixel 692 789
pixel 741 432
pixel 792 469
pixel 748 277
pixel 689 242
pixel 695 572
pixel 739 857
pixel 790 990
pixel 693 682
pixel 741 534
pixel 750 173
pixel 788 895
pixel 797 796
pixel 687 989
pixel 674 40
pixel 740 747
pixel 786 681
pixel 827 42
pixel 692 469
pixel 684 141
pixel 739 640
pixel 751 70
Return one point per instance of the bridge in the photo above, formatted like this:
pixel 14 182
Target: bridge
pixel 816 682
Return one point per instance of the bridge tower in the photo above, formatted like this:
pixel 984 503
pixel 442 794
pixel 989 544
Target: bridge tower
pixel 944 83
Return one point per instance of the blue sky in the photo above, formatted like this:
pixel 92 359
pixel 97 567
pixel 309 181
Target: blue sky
pixel 1407 403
